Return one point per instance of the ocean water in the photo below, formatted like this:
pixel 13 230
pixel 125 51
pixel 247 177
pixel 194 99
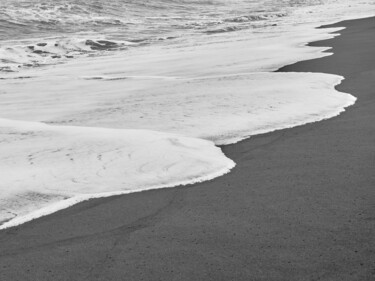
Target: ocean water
pixel 35 32
pixel 101 98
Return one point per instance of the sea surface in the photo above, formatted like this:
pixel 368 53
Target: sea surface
pixel 35 32
pixel 109 97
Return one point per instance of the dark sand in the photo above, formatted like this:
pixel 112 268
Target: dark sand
pixel 300 205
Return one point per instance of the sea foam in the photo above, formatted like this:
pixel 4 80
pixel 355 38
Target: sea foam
pixel 43 164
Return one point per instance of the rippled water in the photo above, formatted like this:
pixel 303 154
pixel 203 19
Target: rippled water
pixel 128 19
pixel 74 27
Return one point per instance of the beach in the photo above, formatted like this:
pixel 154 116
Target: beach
pixel 299 205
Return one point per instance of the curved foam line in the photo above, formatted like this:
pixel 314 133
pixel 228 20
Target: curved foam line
pixel 77 199
pixel 85 162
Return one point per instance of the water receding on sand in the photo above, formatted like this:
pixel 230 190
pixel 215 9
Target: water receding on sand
pixel 105 109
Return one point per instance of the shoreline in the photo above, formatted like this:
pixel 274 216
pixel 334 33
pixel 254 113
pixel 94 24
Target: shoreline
pixel 271 110
pixel 277 216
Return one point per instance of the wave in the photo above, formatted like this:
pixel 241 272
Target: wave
pixel 55 164
pixel 117 21
pixel 50 167
pixel 34 53
pixel 88 27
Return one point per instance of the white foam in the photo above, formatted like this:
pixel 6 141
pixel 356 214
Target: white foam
pixel 218 108
pixel 214 89
pixel 41 165
pixel 18 54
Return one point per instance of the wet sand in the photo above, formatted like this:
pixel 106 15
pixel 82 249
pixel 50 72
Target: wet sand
pixel 300 205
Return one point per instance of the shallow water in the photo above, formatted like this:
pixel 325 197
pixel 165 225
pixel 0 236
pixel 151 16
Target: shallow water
pixel 90 27
pixel 35 32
